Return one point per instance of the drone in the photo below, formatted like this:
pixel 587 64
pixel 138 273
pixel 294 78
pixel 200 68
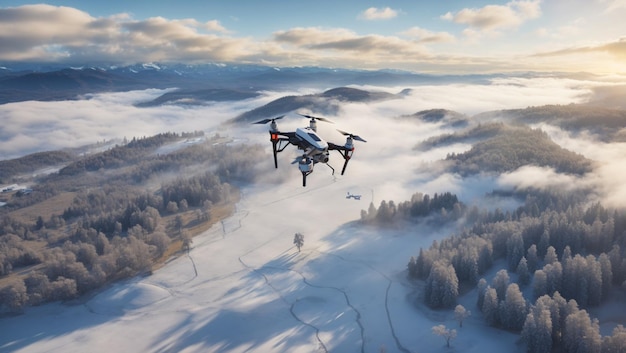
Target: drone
pixel 315 149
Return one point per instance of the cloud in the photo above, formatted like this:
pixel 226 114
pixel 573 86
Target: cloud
pixel 497 17
pixel 362 51
pixel 616 48
pixel 33 32
pixel 374 13
pixel 426 36
pixel 613 5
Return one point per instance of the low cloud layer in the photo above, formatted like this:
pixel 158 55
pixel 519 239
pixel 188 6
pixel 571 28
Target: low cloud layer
pixel 386 167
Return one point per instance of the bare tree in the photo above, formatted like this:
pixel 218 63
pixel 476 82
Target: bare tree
pixel 443 331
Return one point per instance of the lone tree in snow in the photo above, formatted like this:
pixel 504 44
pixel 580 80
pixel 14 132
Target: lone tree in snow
pixel 460 314
pixel 443 331
pixel 187 241
pixel 298 239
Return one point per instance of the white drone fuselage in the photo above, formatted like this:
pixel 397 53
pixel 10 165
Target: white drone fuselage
pixel 312 138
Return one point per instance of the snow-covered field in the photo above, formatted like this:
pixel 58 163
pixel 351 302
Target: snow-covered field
pixel 245 288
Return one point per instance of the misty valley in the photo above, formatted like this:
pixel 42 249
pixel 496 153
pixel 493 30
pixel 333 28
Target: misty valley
pixel 490 214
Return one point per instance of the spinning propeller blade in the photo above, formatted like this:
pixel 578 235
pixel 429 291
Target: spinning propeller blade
pixel 316 118
pixel 265 121
pixel 354 137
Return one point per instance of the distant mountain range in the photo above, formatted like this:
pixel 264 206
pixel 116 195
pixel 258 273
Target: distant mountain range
pixel 38 82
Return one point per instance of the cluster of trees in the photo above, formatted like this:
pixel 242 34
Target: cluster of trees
pixel 504 148
pixel 443 207
pixel 127 153
pixel 115 227
pixel 516 146
pixel 14 167
pixel 564 250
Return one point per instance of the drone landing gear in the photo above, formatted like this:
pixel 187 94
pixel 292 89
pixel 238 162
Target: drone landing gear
pixel 306 167
pixel 278 145
pixel 347 154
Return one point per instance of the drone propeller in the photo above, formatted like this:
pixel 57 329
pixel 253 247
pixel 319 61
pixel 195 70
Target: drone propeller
pixel 354 137
pixel 265 121
pixel 316 118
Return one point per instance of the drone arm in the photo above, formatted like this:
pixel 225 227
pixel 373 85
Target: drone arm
pixel 276 138
pixel 345 152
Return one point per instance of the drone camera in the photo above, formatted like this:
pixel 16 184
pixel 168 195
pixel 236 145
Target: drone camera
pixel 305 165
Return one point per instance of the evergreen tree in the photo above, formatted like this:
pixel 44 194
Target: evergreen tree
pixel 532 258
pixel 500 283
pixel 298 240
pixel 607 275
pixel 514 250
pixel 490 307
pixel 442 286
pixel 481 288
pixel 537 332
pixel 551 256
pixel 616 342
pixel 582 335
pixel 522 272
pixel 540 284
pixel 513 309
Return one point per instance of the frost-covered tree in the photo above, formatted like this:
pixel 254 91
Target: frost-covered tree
pixel 554 273
pixel 607 275
pixel 514 250
pixel 551 256
pixel 616 342
pixel 581 334
pixel 532 258
pixel 442 286
pixel 490 307
pixel 443 331
pixel 500 283
pixel 537 332
pixel 522 272
pixel 460 314
pixel 14 297
pixel 513 309
pixel 412 267
pixel 298 240
pixel 540 283
pixel 481 288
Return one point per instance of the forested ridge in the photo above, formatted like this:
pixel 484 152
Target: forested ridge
pixel 603 123
pixel 28 164
pixel 499 148
pixel 125 209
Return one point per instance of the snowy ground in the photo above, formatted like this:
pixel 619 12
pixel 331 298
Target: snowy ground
pixel 245 288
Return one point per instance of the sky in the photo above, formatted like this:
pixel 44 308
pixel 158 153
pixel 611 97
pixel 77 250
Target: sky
pixel 421 36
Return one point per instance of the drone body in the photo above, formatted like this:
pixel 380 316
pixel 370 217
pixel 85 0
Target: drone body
pixel 315 149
